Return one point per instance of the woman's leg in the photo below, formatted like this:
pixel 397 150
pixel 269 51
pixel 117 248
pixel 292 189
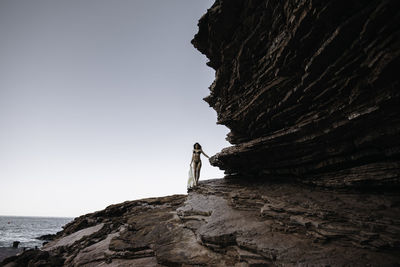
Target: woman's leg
pixel 194 172
pixel 197 172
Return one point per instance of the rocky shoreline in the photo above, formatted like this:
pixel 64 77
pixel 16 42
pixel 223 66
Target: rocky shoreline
pixel 310 92
pixel 231 222
pixel 6 252
pixel 13 251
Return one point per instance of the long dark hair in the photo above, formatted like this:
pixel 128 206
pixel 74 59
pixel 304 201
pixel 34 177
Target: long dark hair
pixel 197 145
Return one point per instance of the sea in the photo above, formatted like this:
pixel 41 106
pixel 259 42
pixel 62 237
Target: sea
pixel 27 229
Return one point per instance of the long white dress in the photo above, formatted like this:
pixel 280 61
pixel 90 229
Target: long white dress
pixel 190 183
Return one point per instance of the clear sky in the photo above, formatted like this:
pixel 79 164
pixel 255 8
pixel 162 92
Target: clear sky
pixel 100 102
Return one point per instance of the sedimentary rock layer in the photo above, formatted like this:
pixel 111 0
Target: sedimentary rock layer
pixel 233 222
pixel 307 88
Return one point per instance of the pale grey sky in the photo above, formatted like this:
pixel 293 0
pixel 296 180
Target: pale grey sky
pixel 100 102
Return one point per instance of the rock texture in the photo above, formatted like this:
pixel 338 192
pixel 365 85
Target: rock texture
pixel 309 89
pixel 310 92
pixel 229 222
pixel 6 252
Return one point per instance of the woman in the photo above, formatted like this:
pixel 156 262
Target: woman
pixel 196 162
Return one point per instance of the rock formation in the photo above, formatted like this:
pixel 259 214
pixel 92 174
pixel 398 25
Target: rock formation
pixel 6 252
pixel 310 92
pixel 231 222
pixel 309 89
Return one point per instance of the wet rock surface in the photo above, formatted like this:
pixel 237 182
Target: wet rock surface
pixel 231 222
pixel 307 88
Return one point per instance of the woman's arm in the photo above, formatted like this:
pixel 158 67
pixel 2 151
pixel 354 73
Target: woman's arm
pixel 204 154
pixel 192 160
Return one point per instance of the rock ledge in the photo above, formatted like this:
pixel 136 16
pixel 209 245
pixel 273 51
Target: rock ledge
pixel 233 223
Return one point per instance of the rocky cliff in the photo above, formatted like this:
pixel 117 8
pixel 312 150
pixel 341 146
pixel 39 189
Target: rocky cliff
pixel 309 89
pixel 229 222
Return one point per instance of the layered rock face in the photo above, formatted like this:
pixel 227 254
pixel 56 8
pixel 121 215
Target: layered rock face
pixel 309 89
pixel 229 222
pixel 310 92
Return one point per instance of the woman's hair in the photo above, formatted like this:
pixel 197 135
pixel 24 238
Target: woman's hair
pixel 197 146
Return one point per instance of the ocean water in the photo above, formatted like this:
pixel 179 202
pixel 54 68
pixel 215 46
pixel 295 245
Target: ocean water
pixel 27 229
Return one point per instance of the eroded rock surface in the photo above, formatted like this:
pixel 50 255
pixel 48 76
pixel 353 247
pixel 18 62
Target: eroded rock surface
pixel 230 222
pixel 310 92
pixel 307 88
